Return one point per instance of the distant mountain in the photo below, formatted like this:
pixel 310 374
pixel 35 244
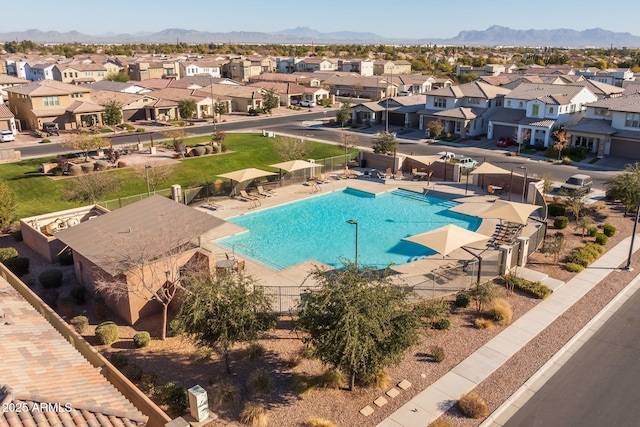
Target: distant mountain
pixel 492 36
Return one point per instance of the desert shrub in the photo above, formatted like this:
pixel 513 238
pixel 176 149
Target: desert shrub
pixel 148 383
pixel 17 265
pixel 175 397
pixel 99 306
pixel 435 309
pixel 302 385
pixel 45 141
pixel 176 328
pixel 254 415
pixel 119 359
pixel 560 222
pixel 133 372
pixel 501 311
pixel 122 164
pixel 86 167
pixel 139 129
pixel 473 405
pixel 439 423
pixel 318 422
pixel 482 323
pixel 57 171
pixel 574 267
pixel 7 253
pixel 294 360
pixel 224 393
pixel 107 333
pixel 582 257
pixel 203 354
pixel 592 231
pixel 74 169
pixel 308 353
pixel 441 324
pixel 463 300
pixel 223 147
pixel 331 379
pixel 17 235
pixel 50 297
pixel 594 249
pixel 438 354
pixel 65 306
pixel 199 151
pixel 79 294
pixel 567 160
pixel 380 380
pixel 535 289
pixel 255 350
pixel 79 323
pixel 66 257
pixel 208 149
pixel 601 239
pixel 609 230
pixel 259 382
pixel 51 278
pixel 141 339
pixel 557 209
pixel 101 165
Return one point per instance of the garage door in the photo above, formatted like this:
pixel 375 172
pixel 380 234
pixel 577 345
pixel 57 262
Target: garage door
pixel 502 130
pixel 625 148
pixel 134 115
pixel 396 119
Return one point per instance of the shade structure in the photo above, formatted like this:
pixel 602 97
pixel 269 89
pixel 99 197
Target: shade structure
pixel 447 239
pixel 509 211
pixel 488 168
pixel 294 165
pixel 427 160
pixel 246 174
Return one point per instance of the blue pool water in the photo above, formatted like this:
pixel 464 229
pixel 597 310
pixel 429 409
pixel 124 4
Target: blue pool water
pixel 316 229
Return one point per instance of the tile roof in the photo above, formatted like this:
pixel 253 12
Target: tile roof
pixel 122 98
pixel 475 89
pixel 531 91
pixel 47 88
pixel 592 126
pixel 461 113
pixel 39 367
pixel 286 88
pixel 5 113
pixel 78 107
pixel 626 103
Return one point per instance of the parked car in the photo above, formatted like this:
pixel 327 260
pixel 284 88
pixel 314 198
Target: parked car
pixel 6 136
pixel 467 163
pixel 505 141
pixel 50 128
pixel 578 183
pixel 405 93
pixel 306 103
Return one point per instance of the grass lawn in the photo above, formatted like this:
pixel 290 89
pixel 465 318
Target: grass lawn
pixel 38 194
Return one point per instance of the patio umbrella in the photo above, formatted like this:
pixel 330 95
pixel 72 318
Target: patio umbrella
pixel 447 239
pixel 246 174
pixel 294 165
pixel 509 211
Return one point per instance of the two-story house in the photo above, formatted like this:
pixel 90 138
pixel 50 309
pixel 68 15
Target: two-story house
pixel 316 64
pixel 399 111
pixel 145 70
pixel 200 68
pixel 611 76
pixel 610 127
pixel 400 66
pixel 78 72
pixel 39 71
pixel 364 67
pixel 359 86
pixel 463 110
pixel 70 106
pixel 7 81
pixel 531 111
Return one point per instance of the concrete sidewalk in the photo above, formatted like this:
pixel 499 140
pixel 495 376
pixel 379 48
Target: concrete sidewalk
pixel 431 403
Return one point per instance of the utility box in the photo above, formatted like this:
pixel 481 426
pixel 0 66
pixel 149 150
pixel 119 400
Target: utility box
pixel 198 403
pixel 176 193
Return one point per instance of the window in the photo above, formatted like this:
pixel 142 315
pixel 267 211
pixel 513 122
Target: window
pixel 508 103
pixel 550 110
pixel 601 112
pixel 458 127
pixel 50 101
pixel 499 101
pixel 76 95
pixel 521 104
pixel 65 75
pixel 585 141
pixel 632 120
pixel 439 102
pixel 473 100
pixel 536 109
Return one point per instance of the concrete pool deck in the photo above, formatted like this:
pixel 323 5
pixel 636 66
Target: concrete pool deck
pixel 474 200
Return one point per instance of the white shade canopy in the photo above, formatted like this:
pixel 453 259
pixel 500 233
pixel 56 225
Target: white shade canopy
pixel 294 165
pixel 488 168
pixel 447 239
pixel 246 174
pixel 509 211
pixel 426 160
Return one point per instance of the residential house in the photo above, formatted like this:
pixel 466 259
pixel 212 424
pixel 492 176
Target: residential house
pixel 70 106
pixel 139 245
pixel 412 83
pixel 610 127
pixel 382 66
pixel 236 98
pixel 400 111
pixel 532 111
pixel 301 79
pixel 364 67
pixel 145 70
pixel 487 70
pixel 611 76
pixel 316 64
pixel 359 86
pixel 463 110
pixel 287 65
pixel 9 81
pixel 7 120
pixel 243 69
pixel 128 87
pixel 289 93
pixel 166 106
pixel 199 68
pixel 134 106
pixel 39 71
pixel 79 72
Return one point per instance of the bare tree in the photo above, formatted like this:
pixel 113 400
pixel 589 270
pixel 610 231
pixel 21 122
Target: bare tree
pixel 157 173
pixel 178 136
pixel 561 139
pixel 89 187
pixel 347 141
pixel 290 148
pixel 83 141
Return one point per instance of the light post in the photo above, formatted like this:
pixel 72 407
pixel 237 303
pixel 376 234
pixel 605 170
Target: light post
pixel 633 237
pixel 510 184
pixel 524 183
pixel 213 112
pixel 146 174
pixel 354 222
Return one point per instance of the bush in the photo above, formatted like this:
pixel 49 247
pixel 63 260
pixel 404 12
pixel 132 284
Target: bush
pixel 294 360
pixel 331 379
pixel 255 350
pixel 501 311
pixel 302 385
pixel 66 257
pixel 318 422
pixel 133 372
pixel 74 170
pixel 567 160
pixel 101 165
pixel 380 380
pixel 79 294
pixel 141 339
pixel 45 141
pixel 51 278
pixel 473 405
pixel 438 354
pixel 439 423
pixel 175 397
pixel 176 328
pixel 224 394
pixel 592 231
pixel 482 323
pixel 254 415
pixel 119 360
pixel 7 253
pixel 609 230
pixel 560 222
pixel 17 265
pixel 122 164
pixel 107 333
pixel 601 239
pixel 557 209
pixel 139 129
pixel 28 280
pixel 199 151
pixel 574 267
pixel 86 167
pixel 463 300
pixel 208 149
pixel 535 289
pixel 80 323
pixel 441 324
pixel 17 235
pixel 259 382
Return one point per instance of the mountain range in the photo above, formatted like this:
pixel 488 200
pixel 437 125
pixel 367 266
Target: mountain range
pixel 492 36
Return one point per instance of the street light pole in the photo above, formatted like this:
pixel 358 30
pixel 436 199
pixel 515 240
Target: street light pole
pixel 354 222
pixel 510 184
pixel 524 183
pixel 633 237
pixel 146 174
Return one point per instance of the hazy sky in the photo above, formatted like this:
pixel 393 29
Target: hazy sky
pixel 406 19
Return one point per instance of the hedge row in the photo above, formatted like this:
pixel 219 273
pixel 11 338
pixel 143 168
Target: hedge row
pixel 535 289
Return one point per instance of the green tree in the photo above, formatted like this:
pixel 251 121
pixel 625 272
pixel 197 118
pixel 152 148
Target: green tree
pixel 469 77
pixel 112 114
pixel 385 143
pixel 358 322
pixel 625 187
pixel 8 205
pixel 344 113
pixel 83 141
pixel 584 223
pixel 547 183
pixel 117 77
pixel 218 312
pixel 270 100
pixel 435 128
pixel 187 108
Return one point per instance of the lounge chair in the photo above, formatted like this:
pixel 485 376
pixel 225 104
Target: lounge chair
pixel 255 201
pixel 388 174
pixel 398 175
pixel 265 193
pixel 320 179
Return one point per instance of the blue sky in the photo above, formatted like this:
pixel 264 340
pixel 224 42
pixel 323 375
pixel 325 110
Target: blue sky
pixel 406 19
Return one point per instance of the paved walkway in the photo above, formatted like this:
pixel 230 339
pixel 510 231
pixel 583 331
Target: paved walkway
pixel 431 403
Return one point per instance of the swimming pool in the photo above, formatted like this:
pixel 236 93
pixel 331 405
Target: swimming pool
pixel 317 229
